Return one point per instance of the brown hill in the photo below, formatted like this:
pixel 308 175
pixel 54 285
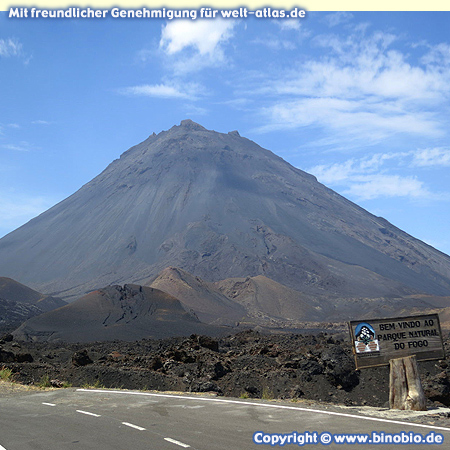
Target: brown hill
pixel 19 302
pixel 125 313
pixel 261 301
pixel 200 296
pixel 14 291
pixel 265 298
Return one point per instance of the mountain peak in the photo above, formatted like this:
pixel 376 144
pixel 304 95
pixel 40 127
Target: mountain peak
pixel 191 125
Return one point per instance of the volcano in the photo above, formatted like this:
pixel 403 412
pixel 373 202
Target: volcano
pixel 217 206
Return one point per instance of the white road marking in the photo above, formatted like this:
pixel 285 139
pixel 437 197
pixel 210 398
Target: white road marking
pixel 264 405
pixel 133 426
pixel 187 406
pixel 48 404
pixel 88 413
pixel 181 444
pixel 2 448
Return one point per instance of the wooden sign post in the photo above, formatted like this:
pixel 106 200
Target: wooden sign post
pixel 405 388
pixel 399 342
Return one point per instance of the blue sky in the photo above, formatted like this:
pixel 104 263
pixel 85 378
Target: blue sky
pixel 361 100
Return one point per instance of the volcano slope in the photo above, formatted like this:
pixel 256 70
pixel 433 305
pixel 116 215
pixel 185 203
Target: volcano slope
pixel 217 206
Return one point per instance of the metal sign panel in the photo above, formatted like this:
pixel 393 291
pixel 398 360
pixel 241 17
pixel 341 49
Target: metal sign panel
pixel 377 341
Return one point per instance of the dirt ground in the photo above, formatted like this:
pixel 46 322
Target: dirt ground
pixel 248 365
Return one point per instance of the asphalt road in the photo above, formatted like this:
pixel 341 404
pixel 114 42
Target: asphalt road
pixel 105 420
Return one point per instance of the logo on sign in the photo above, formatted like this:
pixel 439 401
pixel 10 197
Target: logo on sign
pixel 365 339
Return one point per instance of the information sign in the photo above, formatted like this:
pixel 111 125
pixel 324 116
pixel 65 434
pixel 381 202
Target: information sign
pixel 377 341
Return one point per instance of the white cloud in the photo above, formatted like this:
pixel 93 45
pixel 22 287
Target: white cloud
pixel 366 70
pixel 353 168
pixel 21 147
pixel 183 91
pixel 288 24
pixel 8 125
pixel 192 110
pixel 275 43
pixel 334 173
pixel 371 177
pixel 41 122
pixel 203 35
pixel 10 47
pixel 361 87
pixel 349 118
pixel 146 55
pixel 437 55
pixel 431 157
pixel 361 180
pixel 338 18
pixel 241 103
pixel 378 185
pixel 192 45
